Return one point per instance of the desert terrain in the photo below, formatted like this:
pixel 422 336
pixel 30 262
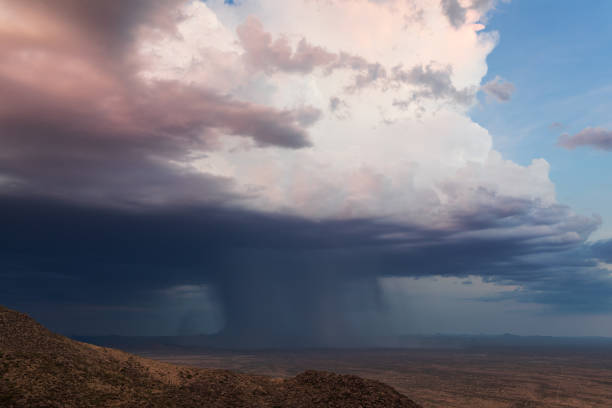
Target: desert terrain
pixel 39 368
pixel 435 378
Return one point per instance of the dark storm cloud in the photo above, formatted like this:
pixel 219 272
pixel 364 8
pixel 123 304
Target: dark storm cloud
pixel 95 30
pixel 597 138
pixel 571 281
pixel 603 250
pixel 280 279
pixel 131 144
pixel 75 113
pixel 101 215
pixel 276 276
pixel 572 292
pixel 561 288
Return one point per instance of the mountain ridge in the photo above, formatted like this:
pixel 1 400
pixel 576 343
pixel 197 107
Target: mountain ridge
pixel 39 368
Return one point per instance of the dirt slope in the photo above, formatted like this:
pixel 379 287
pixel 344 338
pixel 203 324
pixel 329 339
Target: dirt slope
pixel 41 369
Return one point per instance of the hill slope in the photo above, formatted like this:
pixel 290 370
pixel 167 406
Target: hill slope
pixel 41 369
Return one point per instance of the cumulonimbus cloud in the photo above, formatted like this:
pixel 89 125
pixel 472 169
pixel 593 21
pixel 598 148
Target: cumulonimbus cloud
pixel 303 149
pixel 74 102
pixel 93 127
pixel 299 266
pixel 264 53
pixel 456 11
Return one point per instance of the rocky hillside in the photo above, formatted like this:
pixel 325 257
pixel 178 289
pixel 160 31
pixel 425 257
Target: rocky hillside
pixel 41 369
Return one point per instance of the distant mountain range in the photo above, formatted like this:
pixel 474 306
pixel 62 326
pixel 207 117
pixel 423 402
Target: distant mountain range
pixel 435 341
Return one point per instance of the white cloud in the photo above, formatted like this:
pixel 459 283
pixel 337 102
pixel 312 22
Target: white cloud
pixel 416 162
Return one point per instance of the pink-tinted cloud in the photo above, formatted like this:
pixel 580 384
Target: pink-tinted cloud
pixel 268 55
pixel 75 111
pixel 597 138
pixel 263 53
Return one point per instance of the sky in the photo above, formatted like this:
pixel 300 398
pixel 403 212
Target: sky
pixel 307 172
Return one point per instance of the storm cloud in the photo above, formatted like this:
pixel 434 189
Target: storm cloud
pixel 435 82
pixel 137 173
pixel 279 280
pixel 263 53
pixel 456 11
pixel 75 112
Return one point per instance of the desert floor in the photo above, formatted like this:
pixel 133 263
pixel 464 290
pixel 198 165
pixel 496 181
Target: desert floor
pixel 443 378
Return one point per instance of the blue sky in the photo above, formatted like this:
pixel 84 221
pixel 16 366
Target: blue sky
pixel 558 54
